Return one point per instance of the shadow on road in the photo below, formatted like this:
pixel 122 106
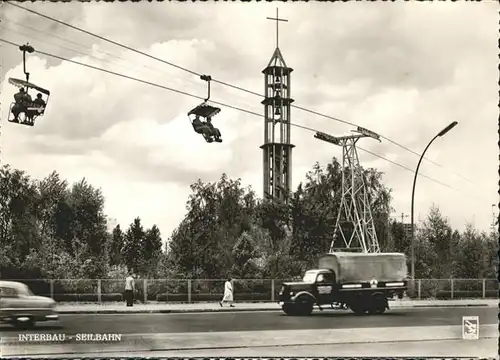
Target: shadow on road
pixel 332 314
pixel 12 329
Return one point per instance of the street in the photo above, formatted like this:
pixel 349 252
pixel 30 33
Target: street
pixel 256 321
pixel 190 331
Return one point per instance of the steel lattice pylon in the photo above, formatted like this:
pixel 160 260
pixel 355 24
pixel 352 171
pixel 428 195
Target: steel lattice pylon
pixel 354 227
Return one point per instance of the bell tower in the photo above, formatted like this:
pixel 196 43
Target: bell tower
pixel 277 149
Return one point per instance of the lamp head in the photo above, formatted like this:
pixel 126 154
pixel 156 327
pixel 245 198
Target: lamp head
pixel 448 128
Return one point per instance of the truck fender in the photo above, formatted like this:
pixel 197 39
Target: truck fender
pixel 304 293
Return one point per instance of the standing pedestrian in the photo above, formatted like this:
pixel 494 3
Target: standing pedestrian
pixel 129 289
pixel 228 293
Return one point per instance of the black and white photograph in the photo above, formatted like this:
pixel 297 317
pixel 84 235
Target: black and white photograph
pixel 249 179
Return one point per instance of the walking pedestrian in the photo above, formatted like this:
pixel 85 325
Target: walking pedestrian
pixel 129 289
pixel 228 293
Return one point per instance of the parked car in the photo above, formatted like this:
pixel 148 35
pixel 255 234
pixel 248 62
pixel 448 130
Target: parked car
pixel 21 308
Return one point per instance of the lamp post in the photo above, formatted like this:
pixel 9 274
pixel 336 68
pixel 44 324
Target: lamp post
pixel 412 244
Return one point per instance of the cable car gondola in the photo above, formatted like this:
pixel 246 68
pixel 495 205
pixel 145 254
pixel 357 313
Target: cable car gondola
pixel 206 112
pixel 25 110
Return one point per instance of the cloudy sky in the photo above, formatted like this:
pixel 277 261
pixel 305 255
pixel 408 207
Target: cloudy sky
pixel 404 70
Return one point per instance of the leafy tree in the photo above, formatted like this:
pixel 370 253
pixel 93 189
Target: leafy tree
pixel 117 246
pixel 470 260
pixel 117 272
pixel 400 240
pixel 50 230
pixel 18 213
pixel 274 218
pixel 439 235
pixel 51 262
pixel 380 199
pixel 183 251
pixel 134 239
pixel 211 240
pixel 63 220
pixel 151 251
pixel 52 192
pixel 425 257
pixel 492 254
pixel 89 227
pixel 314 207
pixel 244 254
pixel 218 213
pixel 90 220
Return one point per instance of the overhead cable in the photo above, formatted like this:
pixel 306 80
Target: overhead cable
pixel 215 102
pixel 222 82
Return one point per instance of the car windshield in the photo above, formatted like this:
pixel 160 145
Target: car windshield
pixel 309 277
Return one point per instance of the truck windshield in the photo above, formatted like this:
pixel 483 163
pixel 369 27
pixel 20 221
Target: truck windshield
pixel 309 277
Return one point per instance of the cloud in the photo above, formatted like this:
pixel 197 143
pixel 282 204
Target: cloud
pixel 402 70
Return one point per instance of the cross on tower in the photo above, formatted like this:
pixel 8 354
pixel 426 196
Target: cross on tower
pixel 277 22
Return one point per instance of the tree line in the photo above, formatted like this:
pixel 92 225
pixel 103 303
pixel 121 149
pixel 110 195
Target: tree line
pixel 49 229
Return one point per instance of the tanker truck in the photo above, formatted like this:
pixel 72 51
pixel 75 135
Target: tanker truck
pixel 362 282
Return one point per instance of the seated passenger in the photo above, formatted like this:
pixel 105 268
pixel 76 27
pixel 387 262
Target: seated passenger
pixel 18 97
pixel 199 126
pixel 39 103
pixel 19 107
pixel 214 131
pixel 27 100
pixel 27 103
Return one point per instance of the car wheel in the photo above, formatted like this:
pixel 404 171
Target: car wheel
pixel 24 323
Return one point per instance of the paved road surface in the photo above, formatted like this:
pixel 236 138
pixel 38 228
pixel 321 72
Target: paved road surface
pixel 154 333
pixel 256 321
pixel 483 348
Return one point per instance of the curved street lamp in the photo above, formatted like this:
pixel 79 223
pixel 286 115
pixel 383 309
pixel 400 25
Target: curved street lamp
pixel 412 244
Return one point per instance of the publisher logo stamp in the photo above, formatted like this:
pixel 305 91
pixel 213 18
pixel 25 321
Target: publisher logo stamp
pixel 470 327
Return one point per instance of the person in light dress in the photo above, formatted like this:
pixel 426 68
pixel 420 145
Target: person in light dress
pixel 228 294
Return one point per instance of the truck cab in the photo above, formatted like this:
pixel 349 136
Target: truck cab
pixel 318 287
pixel 324 285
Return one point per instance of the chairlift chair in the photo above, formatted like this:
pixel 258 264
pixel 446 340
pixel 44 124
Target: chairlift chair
pixel 28 115
pixel 205 112
pixel 35 111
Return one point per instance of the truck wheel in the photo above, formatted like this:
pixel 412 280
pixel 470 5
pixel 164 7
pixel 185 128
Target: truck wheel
pixel 289 309
pixel 378 304
pixel 358 309
pixel 304 306
pixel 358 306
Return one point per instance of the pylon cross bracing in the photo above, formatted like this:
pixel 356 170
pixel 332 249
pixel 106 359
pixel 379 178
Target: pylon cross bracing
pixel 355 226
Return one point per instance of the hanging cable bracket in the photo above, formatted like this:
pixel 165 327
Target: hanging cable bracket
pixel 26 49
pixel 207 78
